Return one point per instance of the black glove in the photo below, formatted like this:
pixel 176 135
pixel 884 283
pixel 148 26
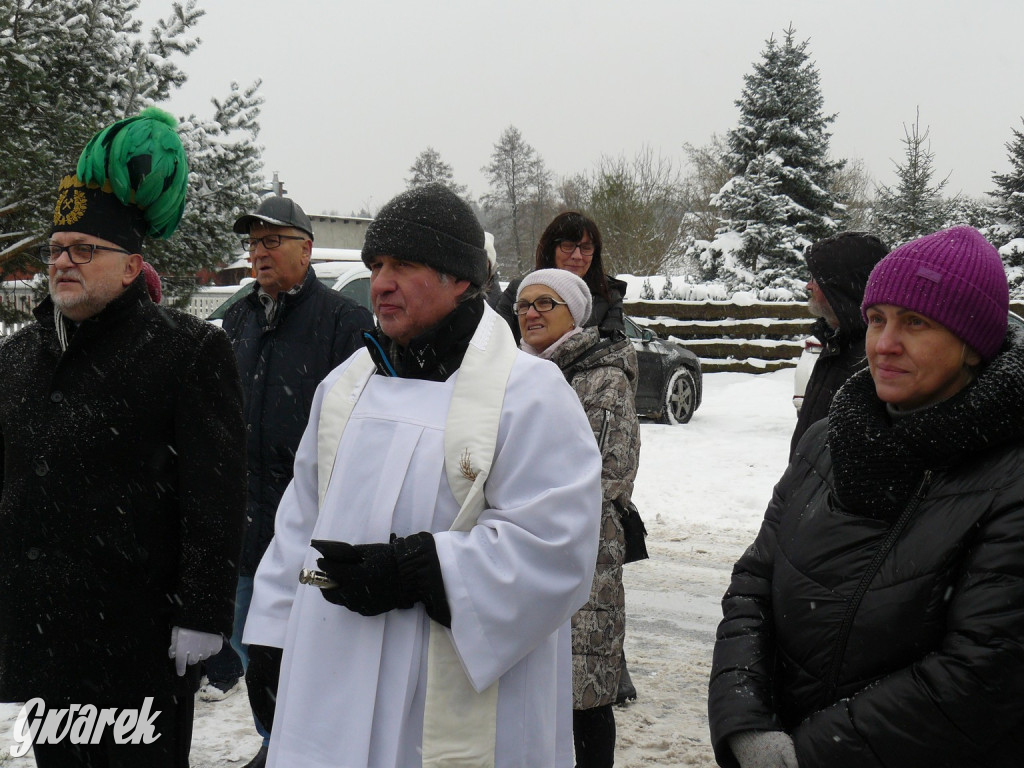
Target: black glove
pixel 367 576
pixel 261 678
pixel 376 578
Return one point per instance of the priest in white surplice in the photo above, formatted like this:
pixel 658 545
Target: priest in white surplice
pixel 448 486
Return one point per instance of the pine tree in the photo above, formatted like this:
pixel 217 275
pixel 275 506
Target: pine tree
pixel 779 198
pixel 70 67
pixel 520 201
pixel 1009 192
pixel 647 290
pixel 428 167
pixel 226 170
pixel 760 210
pixel 914 206
pixel 667 291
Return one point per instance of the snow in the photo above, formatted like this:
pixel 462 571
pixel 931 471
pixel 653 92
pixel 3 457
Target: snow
pixel 1012 248
pixel 702 489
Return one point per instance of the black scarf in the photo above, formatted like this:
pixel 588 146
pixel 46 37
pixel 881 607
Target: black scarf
pixel 433 355
pixel 878 462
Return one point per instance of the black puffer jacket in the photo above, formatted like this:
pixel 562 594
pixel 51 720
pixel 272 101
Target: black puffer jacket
pixel 606 313
pixel 879 615
pixel 841 270
pixel 121 500
pixel 281 364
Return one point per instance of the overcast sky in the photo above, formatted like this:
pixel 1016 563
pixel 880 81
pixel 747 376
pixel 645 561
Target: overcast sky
pixel 355 91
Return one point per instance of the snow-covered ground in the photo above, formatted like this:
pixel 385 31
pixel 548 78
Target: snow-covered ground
pixel 702 489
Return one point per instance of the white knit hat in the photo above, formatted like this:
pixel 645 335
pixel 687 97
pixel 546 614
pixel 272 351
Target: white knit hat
pixel 571 288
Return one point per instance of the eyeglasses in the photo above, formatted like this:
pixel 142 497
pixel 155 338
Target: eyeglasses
pixel 270 242
pixel 568 246
pixel 541 304
pixel 79 253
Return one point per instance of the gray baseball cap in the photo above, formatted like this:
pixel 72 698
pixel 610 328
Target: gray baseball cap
pixel 278 212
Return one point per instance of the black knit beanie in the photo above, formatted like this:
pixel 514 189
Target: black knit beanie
pixel 430 225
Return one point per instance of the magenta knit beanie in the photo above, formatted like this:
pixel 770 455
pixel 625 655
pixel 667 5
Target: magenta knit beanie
pixel 954 277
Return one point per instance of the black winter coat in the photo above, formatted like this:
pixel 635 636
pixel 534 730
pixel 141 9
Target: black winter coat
pixel 122 500
pixel 841 273
pixel 842 355
pixel 281 364
pixel 606 314
pixel 879 615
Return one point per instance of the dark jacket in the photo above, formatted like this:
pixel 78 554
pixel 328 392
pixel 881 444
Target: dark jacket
pixel 603 374
pixel 281 364
pixel 878 615
pixel 841 356
pixel 122 500
pixel 840 266
pixel 606 314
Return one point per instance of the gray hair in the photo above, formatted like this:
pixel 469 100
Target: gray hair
pixel 471 293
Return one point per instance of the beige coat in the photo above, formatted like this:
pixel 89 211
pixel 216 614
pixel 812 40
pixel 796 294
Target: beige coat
pixel 603 373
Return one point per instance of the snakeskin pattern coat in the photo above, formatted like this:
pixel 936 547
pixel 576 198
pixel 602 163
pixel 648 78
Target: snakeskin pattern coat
pixel 603 372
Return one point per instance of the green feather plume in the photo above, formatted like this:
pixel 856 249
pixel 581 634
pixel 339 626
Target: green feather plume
pixel 144 162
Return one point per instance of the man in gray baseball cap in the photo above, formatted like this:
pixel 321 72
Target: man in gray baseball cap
pixel 277 212
pixel 288 334
pixel 280 244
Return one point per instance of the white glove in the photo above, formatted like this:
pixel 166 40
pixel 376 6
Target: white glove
pixel 189 646
pixel 763 749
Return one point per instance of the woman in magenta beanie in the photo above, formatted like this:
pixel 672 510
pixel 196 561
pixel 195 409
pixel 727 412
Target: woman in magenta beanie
pixel 878 618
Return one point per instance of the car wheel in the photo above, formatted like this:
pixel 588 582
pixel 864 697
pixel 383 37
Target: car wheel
pixel 679 398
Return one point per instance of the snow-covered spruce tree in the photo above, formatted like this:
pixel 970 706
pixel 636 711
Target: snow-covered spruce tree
pixel 914 206
pixel 770 246
pixel 428 167
pixel 1009 192
pixel 70 67
pixel 779 199
pixel 647 290
pixel 667 291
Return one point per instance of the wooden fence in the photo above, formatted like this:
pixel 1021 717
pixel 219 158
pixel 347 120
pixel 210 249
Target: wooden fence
pixel 726 336
pixel 756 337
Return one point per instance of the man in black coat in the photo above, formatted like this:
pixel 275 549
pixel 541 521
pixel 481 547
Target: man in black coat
pixel 839 267
pixel 121 497
pixel 288 334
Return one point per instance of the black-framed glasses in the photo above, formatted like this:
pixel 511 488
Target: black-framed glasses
pixel 568 246
pixel 541 304
pixel 270 242
pixel 79 253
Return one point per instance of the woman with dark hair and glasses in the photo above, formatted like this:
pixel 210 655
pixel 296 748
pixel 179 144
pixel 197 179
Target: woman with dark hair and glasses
pixel 573 242
pixel 552 307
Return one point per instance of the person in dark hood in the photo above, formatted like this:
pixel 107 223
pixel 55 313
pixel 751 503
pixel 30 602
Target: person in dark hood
pixel 572 242
pixel 839 268
pixel 876 620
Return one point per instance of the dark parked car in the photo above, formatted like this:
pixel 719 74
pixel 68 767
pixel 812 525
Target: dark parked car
pixel 670 383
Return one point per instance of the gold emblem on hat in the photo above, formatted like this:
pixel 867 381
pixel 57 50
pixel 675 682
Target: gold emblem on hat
pixel 71 203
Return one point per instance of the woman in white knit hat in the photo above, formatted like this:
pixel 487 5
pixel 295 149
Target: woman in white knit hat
pixel 552 306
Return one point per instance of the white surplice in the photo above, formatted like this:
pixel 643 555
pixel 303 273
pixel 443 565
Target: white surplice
pixel 352 687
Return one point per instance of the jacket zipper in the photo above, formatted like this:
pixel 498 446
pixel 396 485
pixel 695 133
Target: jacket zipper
pixel 602 437
pixel 862 587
